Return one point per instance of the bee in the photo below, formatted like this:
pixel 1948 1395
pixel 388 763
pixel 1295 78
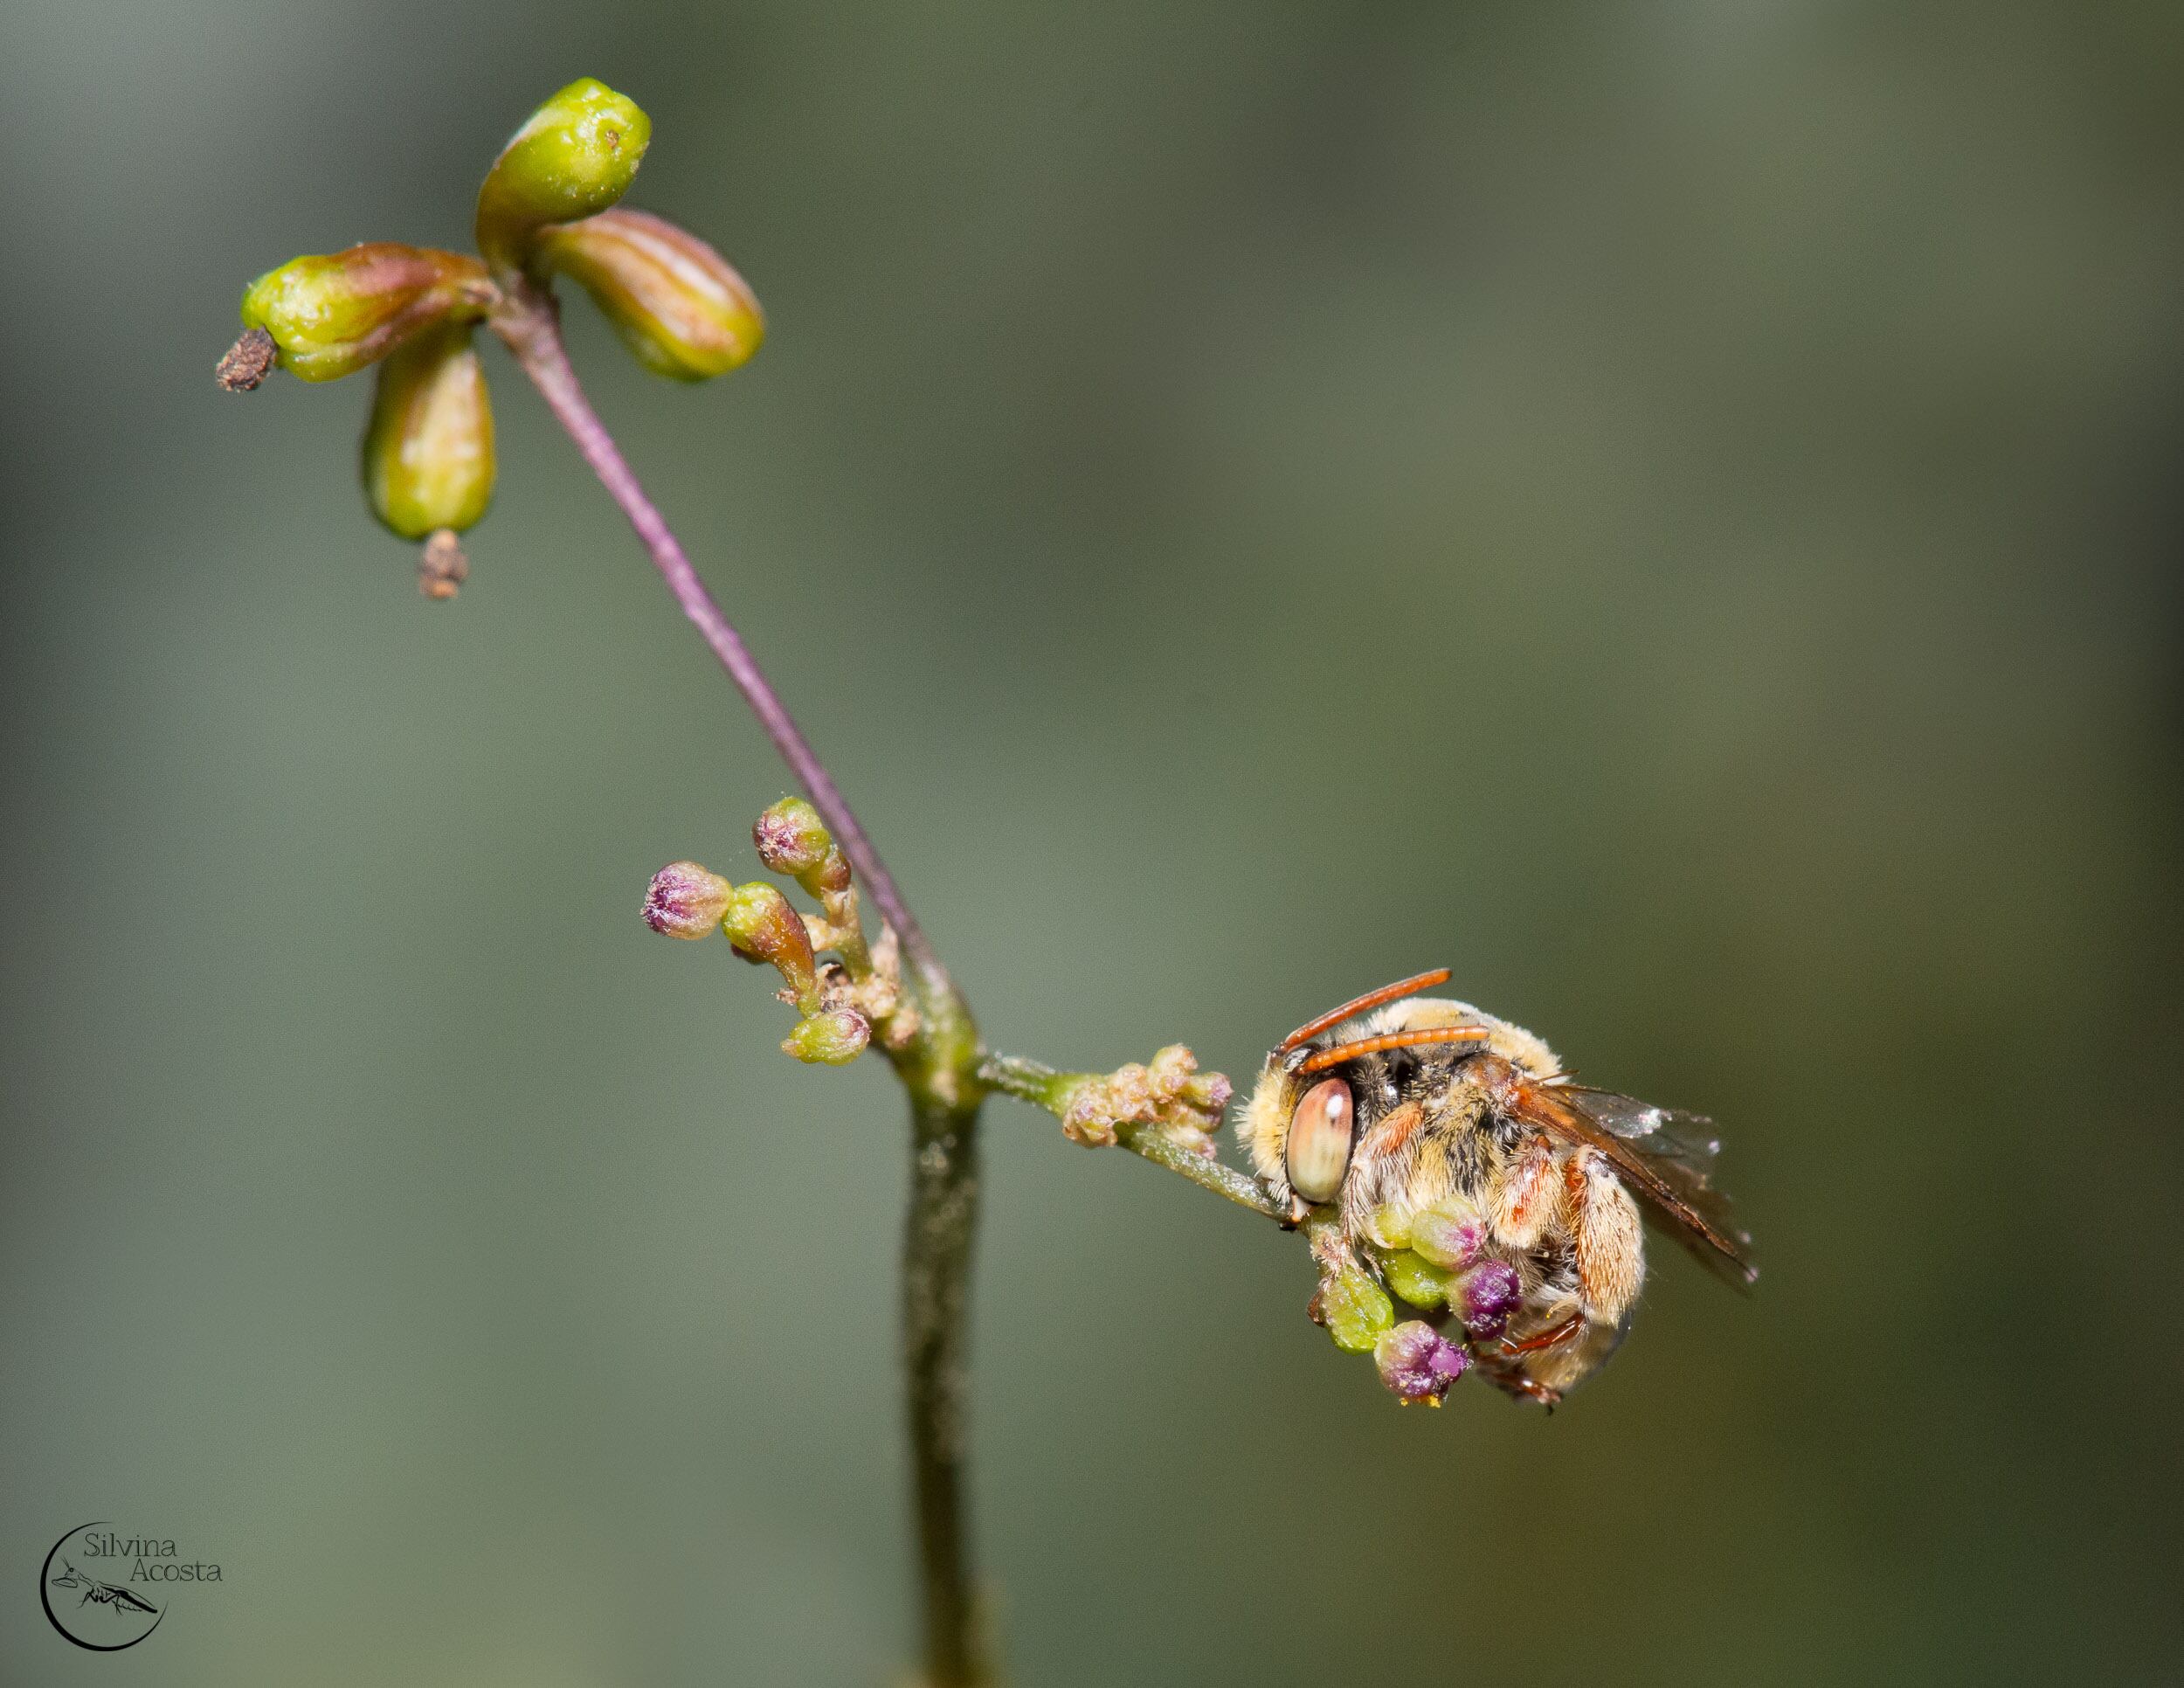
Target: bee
pixel 1367 1116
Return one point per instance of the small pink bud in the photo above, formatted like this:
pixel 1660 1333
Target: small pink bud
pixel 793 840
pixel 685 901
pixel 831 1038
pixel 1417 1364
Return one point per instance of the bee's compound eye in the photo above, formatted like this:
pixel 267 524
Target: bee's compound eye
pixel 1320 1132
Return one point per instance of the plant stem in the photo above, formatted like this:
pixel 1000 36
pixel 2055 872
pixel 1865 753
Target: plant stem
pixel 1041 1086
pixel 529 323
pixel 936 1277
pixel 939 1069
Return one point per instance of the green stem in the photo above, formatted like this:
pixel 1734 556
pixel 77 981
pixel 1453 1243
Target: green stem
pixel 939 1069
pixel 1041 1086
pixel 935 1282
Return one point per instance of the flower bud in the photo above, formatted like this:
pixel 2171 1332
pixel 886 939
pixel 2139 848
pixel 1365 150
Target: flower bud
pixel 329 317
pixel 1417 1280
pixel 677 303
pixel 793 840
pixel 1449 1234
pixel 833 1039
pixel 1390 1225
pixel 1484 1297
pixel 762 927
pixel 428 449
pixel 1417 1364
pixel 685 901
pixel 1354 1309
pixel 573 158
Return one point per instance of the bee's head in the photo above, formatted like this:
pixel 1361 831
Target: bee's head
pixel 1334 1075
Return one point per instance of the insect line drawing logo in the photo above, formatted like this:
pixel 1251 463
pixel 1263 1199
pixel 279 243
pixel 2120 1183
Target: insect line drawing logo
pixel 105 1591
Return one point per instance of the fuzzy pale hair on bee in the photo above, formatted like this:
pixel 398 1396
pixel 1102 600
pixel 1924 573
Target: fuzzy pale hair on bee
pixel 1443 1151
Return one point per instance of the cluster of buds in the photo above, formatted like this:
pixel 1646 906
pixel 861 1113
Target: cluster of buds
pixel 1168 1092
pixel 547 209
pixel 844 1002
pixel 1433 1260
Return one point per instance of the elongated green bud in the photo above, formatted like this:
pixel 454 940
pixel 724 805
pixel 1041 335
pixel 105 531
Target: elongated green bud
pixel 1354 1309
pixel 331 315
pixel 573 158
pixel 677 303
pixel 428 450
pixel 762 927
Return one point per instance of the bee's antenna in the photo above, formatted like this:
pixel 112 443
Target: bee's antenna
pixel 1312 1028
pixel 1321 1059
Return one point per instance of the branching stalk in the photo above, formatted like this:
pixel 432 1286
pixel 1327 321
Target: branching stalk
pixel 939 1068
pixel 549 208
pixel 1041 1086
pixel 528 321
pixel 945 1068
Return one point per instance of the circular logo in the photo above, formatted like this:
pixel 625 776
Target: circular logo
pixel 94 1591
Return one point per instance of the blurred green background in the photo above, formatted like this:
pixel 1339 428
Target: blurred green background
pixel 1671 510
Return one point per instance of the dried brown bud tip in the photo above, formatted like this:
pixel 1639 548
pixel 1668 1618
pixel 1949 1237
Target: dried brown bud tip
pixel 441 567
pixel 248 361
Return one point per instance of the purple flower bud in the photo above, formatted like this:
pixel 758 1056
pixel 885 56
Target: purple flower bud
pixel 1486 1296
pixel 1417 1363
pixel 685 901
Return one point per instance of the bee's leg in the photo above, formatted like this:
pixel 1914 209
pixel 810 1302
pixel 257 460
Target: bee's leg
pixel 1508 1364
pixel 1517 1386
pixel 1513 1380
pixel 1553 1337
pixel 1609 1241
pixel 1530 1194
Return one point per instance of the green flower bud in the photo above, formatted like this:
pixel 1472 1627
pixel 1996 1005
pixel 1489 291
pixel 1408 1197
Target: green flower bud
pixel 329 317
pixel 790 837
pixel 762 927
pixel 1450 1233
pixel 1390 1225
pixel 1355 1310
pixel 833 1039
pixel 573 158
pixel 1418 1281
pixel 428 449
pixel 675 301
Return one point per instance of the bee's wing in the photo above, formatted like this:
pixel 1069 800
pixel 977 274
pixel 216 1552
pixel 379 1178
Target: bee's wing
pixel 1666 1155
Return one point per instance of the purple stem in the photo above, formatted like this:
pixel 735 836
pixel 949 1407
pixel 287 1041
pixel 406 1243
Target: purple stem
pixel 531 328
